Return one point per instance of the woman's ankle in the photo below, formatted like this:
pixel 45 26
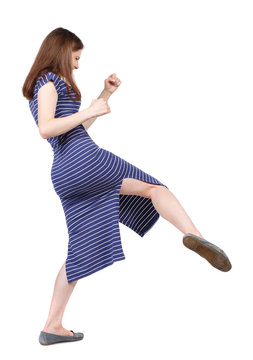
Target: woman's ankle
pixel 52 325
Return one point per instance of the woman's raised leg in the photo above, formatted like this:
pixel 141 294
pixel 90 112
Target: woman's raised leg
pixel 164 202
pixel 168 206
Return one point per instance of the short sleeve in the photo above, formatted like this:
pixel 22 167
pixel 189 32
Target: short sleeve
pixel 50 76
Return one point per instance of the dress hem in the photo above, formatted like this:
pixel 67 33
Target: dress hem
pixel 80 276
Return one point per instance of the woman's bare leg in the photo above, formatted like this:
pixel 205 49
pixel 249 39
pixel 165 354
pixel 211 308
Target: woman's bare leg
pixel 61 295
pixel 164 202
pixel 170 209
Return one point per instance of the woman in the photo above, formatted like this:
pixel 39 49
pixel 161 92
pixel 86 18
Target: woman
pixel 97 189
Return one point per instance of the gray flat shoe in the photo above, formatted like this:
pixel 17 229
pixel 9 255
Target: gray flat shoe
pixel 212 253
pixel 48 338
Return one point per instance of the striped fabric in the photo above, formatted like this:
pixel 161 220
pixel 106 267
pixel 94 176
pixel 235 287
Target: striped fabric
pixel 87 179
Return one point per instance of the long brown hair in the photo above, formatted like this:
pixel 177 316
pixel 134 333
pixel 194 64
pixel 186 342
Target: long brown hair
pixel 55 55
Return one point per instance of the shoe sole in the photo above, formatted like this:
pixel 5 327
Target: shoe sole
pixel 213 256
pixel 58 342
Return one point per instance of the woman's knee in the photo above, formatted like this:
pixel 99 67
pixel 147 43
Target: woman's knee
pixel 138 187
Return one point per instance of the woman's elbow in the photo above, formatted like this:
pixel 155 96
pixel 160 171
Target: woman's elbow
pixel 43 132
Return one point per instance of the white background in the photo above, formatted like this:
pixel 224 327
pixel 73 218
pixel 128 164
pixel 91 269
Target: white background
pixel 183 114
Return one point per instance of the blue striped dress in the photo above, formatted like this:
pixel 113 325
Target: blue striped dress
pixel 87 179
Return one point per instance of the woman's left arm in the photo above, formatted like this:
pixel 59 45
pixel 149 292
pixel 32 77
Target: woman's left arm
pixel 111 84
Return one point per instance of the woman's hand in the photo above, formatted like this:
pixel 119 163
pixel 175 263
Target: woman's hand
pixel 99 107
pixel 112 83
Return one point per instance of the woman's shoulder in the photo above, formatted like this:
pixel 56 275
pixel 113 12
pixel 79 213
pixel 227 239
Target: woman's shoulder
pixel 50 76
pixel 47 76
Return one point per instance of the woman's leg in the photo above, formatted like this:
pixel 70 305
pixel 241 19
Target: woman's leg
pixel 61 295
pixel 164 202
pixel 168 206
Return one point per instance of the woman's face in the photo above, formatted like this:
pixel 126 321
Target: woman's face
pixel 75 57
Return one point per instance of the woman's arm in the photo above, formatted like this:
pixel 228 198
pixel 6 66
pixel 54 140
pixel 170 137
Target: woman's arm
pixel 50 126
pixel 104 94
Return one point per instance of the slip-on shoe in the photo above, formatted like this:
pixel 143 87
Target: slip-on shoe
pixel 212 253
pixel 46 338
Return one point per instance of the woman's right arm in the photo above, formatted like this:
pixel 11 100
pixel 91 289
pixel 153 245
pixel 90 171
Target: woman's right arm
pixel 49 126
